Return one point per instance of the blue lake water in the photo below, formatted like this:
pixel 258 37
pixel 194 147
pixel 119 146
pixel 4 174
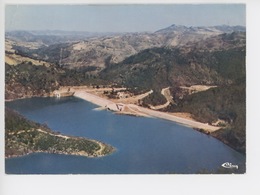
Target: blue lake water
pixel 143 145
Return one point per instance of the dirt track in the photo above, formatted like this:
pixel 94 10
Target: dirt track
pixel 184 121
pixel 140 111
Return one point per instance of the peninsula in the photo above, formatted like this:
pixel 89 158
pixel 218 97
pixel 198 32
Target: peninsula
pixel 25 137
pixel 195 76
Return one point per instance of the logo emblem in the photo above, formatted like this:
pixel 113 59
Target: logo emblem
pixel 229 165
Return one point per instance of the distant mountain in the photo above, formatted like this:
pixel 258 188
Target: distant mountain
pixel 178 35
pixel 85 34
pixel 201 29
pixel 100 52
pixel 25 36
pixel 171 57
pixel 49 37
pixel 97 51
pixel 230 29
pixel 83 50
pixel 173 28
pixel 216 61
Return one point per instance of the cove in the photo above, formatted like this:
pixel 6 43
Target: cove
pixel 143 145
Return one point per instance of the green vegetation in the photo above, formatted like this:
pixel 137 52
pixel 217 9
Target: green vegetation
pixel 226 103
pixel 27 80
pixel 231 64
pixel 50 53
pixel 218 62
pixel 156 98
pixel 220 102
pixel 158 68
pixel 15 122
pixel 23 136
pixel 146 70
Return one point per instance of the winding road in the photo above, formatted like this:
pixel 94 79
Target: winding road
pixel 141 111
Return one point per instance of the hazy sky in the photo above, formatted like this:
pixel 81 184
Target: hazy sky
pixel 120 18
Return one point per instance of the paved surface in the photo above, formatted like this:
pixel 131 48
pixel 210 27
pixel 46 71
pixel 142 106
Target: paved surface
pixel 138 109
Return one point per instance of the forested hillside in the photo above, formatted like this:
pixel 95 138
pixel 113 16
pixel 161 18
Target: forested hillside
pixel 158 68
pixel 23 136
pixel 174 57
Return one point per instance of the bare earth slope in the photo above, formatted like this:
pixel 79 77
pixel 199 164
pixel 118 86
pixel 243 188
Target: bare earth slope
pixel 177 57
pixel 142 111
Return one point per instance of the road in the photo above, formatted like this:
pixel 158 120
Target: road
pixel 138 110
pixel 166 116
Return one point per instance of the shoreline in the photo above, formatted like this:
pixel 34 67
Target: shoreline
pixel 47 152
pixel 104 149
pixel 135 110
pixel 25 97
pixel 173 117
pixel 132 109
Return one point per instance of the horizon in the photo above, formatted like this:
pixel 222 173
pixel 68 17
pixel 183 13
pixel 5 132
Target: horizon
pixel 121 18
pixel 83 31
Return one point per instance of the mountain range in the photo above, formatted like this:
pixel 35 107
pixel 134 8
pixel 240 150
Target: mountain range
pixel 174 57
pixel 92 49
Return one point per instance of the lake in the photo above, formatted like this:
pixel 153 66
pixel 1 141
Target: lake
pixel 143 145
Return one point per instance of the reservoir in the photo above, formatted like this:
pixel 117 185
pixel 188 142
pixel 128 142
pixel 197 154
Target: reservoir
pixel 143 145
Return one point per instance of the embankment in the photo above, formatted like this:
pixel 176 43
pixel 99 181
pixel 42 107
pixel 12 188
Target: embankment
pixel 140 111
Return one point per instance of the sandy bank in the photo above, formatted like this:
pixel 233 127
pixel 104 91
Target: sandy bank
pixel 140 111
pixel 184 121
pixel 93 98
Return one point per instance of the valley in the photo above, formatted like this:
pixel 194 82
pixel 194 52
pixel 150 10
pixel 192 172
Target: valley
pixel 179 69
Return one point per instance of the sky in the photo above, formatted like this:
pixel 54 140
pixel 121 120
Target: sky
pixel 120 18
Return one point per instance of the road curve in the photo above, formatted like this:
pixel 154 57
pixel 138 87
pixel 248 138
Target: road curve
pixel 144 111
pixel 184 121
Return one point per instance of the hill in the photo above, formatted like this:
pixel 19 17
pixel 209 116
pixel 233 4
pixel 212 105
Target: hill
pixel 224 106
pixel 23 136
pixel 95 50
pixel 202 64
pixel 157 68
pixel 176 58
pixel 27 80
